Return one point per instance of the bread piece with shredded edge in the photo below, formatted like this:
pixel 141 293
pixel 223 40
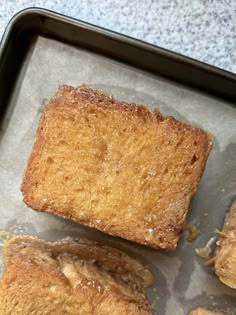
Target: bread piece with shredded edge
pixel 225 254
pixel 71 277
pixel 114 166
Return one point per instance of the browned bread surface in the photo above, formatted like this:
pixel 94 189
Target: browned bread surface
pixel 117 167
pixel 225 259
pixel 203 311
pixel 71 277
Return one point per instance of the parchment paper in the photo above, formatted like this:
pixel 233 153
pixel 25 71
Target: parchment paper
pixel 182 281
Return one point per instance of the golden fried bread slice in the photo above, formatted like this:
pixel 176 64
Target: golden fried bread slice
pixel 114 166
pixel 225 255
pixel 70 277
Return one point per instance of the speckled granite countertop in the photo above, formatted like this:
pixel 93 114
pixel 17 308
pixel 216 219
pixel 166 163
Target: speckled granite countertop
pixel 202 29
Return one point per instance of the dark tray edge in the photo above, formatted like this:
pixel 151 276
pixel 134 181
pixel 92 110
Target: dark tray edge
pixel 27 24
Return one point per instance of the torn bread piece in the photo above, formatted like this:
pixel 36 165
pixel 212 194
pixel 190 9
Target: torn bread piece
pixel 114 166
pixel 71 277
pixel 225 254
pixel 203 311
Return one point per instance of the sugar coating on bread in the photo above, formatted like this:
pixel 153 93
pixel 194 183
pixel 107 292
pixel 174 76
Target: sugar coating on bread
pixel 70 277
pixel 114 166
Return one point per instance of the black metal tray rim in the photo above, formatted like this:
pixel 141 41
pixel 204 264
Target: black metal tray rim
pixel 37 11
pixel 32 22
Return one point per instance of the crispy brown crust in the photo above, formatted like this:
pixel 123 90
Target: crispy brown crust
pixel 165 221
pixel 69 277
pixel 110 258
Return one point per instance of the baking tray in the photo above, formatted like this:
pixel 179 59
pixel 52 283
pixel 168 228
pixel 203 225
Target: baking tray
pixel 41 50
